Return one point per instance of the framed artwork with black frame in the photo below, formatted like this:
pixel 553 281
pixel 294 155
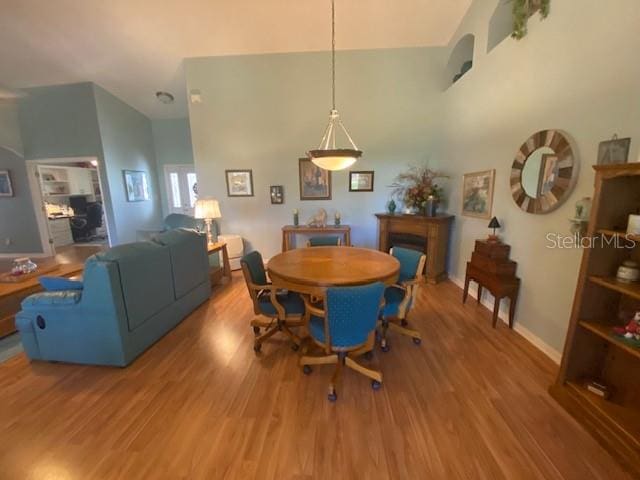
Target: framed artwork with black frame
pixel 136 185
pixel 239 183
pixel 614 151
pixel 361 181
pixel 315 182
pixel 276 194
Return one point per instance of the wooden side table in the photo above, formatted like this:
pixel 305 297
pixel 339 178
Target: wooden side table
pixel 499 286
pixel 217 247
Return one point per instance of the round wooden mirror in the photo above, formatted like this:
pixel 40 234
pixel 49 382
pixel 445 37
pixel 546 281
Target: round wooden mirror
pixel 544 172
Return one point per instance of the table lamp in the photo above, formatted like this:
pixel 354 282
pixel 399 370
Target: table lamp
pixel 494 223
pixel 208 209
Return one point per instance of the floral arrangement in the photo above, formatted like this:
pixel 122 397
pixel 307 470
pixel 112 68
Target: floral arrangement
pixel 416 185
pixel 522 10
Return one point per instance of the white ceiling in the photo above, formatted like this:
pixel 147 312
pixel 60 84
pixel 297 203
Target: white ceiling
pixel 135 47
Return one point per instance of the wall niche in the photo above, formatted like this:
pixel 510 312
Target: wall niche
pixel 500 24
pixel 461 59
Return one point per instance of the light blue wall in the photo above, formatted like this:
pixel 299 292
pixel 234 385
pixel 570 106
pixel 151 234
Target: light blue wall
pixel 127 143
pixel 17 218
pixel 85 120
pixel 263 112
pixel 172 142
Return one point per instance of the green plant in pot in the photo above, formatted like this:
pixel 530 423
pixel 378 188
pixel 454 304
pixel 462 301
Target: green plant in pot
pixel 522 11
pixel 418 190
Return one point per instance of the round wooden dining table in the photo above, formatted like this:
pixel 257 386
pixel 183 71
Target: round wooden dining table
pixel 311 270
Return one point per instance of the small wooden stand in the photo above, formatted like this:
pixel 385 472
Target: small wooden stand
pixel 491 268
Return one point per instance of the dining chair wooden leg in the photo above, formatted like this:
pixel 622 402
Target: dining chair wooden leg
pixel 367 372
pixel 324 360
pixel 333 393
pixel 405 331
pixel 257 344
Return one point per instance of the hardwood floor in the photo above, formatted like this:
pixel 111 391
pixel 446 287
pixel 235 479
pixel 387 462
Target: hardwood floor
pixel 470 402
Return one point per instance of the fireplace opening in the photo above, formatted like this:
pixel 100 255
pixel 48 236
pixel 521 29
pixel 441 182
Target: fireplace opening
pixel 408 240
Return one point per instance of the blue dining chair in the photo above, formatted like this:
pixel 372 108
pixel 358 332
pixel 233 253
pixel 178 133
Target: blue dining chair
pixel 399 297
pixel 283 310
pixel 344 329
pixel 325 241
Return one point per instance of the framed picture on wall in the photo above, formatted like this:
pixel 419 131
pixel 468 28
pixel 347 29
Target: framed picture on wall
pixel 136 185
pixel 614 151
pixel 6 189
pixel 315 182
pixel 277 194
pixel 361 181
pixel 239 183
pixel 477 194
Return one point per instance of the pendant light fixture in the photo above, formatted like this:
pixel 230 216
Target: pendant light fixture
pixel 327 155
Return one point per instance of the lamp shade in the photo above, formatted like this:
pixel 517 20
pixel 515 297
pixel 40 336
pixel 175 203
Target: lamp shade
pixel 207 208
pixel 494 223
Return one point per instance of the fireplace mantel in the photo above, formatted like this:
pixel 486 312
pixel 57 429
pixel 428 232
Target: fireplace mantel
pixel 409 229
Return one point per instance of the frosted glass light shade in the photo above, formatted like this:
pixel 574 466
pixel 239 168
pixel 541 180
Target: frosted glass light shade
pixel 207 208
pixel 334 162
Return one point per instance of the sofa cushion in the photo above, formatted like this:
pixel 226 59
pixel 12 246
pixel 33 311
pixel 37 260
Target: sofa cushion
pixel 53 284
pixel 145 278
pixel 189 260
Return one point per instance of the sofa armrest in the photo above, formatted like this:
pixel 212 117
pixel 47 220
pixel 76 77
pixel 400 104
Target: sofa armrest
pixel 60 298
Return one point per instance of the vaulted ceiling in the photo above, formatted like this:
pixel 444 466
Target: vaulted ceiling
pixel 134 48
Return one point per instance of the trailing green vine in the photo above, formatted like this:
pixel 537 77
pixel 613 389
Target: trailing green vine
pixel 522 10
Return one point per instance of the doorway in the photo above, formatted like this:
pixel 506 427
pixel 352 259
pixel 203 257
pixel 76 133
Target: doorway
pixel 182 188
pixel 67 196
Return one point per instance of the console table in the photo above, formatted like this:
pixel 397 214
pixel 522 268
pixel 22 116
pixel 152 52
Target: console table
pixel 426 234
pixel 290 231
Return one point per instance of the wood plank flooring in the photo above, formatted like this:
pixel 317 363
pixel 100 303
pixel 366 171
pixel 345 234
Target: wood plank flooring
pixel 470 402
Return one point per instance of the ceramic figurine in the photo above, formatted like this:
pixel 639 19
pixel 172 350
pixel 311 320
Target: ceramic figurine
pixel 319 219
pixel 628 272
pixel 632 330
pixel 336 219
pixel 296 217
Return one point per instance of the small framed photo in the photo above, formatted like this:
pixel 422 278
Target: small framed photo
pixel 137 185
pixel 277 194
pixel 477 194
pixel 6 189
pixel 315 182
pixel 614 151
pixel 239 183
pixel 361 181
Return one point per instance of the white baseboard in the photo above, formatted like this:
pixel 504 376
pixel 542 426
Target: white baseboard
pixel 503 315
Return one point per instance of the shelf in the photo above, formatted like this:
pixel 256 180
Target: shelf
pixel 625 418
pixel 604 331
pixel 618 234
pixel 629 289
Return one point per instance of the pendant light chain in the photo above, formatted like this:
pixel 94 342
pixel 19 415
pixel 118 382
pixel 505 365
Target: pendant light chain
pixel 333 52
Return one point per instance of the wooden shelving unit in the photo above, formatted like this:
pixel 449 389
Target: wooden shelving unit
pixel 601 302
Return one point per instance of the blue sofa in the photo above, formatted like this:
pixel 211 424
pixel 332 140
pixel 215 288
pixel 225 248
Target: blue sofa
pixel 133 295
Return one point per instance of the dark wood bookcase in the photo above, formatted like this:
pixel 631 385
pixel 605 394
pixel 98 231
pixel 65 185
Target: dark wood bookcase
pixel 591 352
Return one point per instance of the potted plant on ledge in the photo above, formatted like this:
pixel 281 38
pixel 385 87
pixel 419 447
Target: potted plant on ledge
pixel 418 190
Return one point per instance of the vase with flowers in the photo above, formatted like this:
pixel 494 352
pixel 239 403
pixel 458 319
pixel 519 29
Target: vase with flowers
pixel 418 189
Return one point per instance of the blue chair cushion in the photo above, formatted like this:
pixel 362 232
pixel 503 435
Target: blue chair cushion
pixel 326 241
pixel 54 284
pixel 393 297
pixel 253 261
pixel 48 299
pixel 292 303
pixel 316 328
pixel 409 261
pixel 352 313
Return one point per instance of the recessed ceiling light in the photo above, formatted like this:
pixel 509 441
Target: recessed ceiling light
pixel 164 97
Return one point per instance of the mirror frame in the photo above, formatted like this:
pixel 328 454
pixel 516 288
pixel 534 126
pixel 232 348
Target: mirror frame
pixel 567 172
